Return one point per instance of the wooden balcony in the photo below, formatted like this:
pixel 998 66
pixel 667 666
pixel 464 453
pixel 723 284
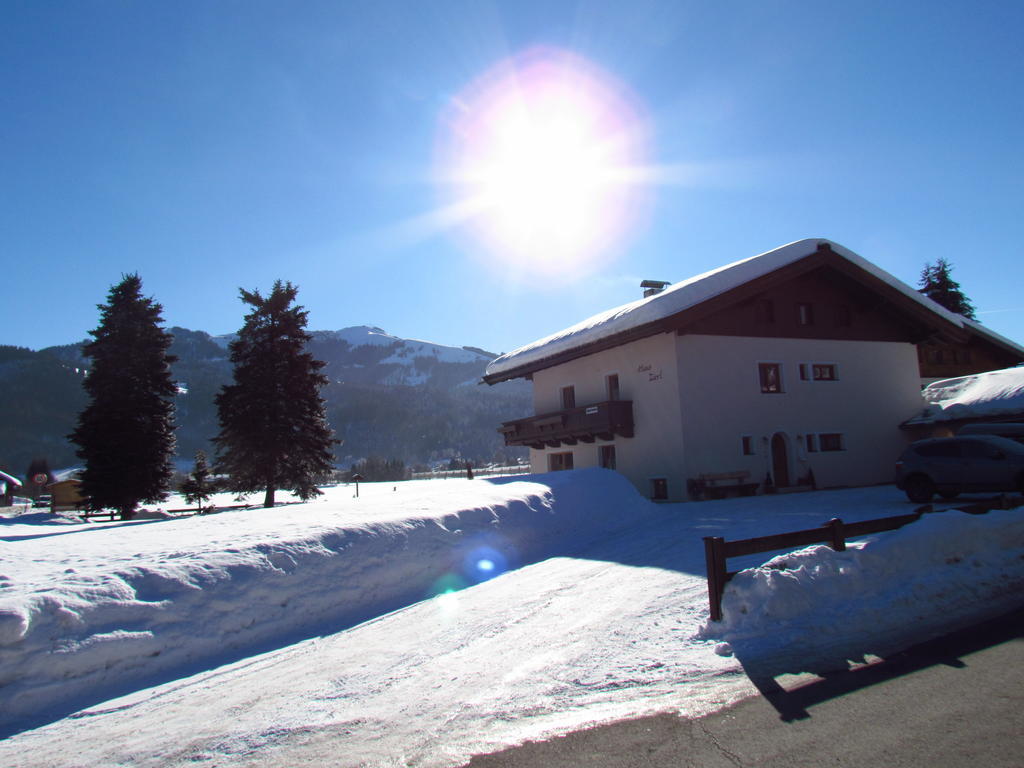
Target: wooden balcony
pixel 574 425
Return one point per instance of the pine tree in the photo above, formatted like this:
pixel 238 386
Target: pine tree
pixel 125 433
pixel 939 286
pixel 273 430
pixel 198 486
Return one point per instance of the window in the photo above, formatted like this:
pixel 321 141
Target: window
pixel 568 397
pixel 559 461
pixel 974 449
pixel 659 489
pixel 805 313
pixel 748 445
pixel 612 382
pixel 824 372
pixel 607 456
pixel 771 377
pixel 818 372
pixel 812 443
pixel 944 450
pixel 830 441
pixel 844 317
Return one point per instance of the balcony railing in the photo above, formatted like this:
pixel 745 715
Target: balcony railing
pixel 585 424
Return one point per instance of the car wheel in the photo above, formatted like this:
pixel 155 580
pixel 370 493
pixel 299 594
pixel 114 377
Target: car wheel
pixel 949 494
pixel 919 489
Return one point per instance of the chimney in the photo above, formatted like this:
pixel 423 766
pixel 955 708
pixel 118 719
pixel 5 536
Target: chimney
pixel 652 287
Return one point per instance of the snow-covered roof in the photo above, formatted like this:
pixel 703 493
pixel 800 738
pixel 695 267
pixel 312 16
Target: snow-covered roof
pixel 694 291
pixel 994 394
pixel 9 479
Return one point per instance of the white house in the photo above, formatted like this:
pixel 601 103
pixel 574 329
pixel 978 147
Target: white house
pixel 793 368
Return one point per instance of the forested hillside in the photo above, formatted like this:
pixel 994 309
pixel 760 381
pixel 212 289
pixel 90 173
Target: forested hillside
pixel 391 397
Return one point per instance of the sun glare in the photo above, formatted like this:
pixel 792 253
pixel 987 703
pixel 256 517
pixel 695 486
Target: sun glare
pixel 540 151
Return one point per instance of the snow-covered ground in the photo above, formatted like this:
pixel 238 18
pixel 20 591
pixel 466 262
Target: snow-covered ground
pixel 337 629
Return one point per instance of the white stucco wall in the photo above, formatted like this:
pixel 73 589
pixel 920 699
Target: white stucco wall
pixel 647 371
pixel 878 387
pixel 695 397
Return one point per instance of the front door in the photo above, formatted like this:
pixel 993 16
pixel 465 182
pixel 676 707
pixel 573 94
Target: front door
pixel 780 461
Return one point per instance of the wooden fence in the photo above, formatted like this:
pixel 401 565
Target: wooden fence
pixel 834 533
pixel 444 474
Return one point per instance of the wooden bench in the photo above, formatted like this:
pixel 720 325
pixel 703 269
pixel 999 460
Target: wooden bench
pixel 723 485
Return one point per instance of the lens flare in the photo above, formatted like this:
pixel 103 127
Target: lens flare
pixel 482 563
pixel 540 155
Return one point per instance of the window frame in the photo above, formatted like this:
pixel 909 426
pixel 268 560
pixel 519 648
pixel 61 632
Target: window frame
pixel 608 387
pixel 603 451
pixel 763 365
pixel 833 367
pixel 826 445
pixel 571 390
pixel 561 456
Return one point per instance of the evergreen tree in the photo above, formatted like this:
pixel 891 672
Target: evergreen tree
pixel 198 486
pixel 125 433
pixel 939 286
pixel 273 430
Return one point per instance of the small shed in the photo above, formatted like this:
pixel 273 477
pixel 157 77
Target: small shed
pixel 65 491
pixel 8 485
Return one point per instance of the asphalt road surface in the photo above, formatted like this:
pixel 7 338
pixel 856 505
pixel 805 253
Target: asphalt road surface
pixel 952 702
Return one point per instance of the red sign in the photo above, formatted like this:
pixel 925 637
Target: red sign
pixel 40 478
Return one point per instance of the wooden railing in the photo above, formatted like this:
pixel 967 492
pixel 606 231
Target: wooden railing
pixel 602 420
pixel 834 533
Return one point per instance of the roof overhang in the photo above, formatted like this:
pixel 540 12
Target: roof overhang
pixel 934 321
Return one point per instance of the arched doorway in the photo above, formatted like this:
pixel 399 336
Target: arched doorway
pixel 780 460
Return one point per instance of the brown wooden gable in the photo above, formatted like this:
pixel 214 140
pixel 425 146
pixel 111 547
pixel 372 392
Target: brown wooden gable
pixel 939 360
pixel 827 282
pixel 817 302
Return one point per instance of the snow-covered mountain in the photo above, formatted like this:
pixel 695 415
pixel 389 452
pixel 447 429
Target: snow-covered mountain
pixel 391 360
pixel 398 398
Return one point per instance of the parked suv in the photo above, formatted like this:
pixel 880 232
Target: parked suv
pixel 953 465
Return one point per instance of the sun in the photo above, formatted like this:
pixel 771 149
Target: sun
pixel 539 153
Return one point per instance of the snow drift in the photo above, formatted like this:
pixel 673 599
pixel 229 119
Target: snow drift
pixel 815 609
pixel 77 625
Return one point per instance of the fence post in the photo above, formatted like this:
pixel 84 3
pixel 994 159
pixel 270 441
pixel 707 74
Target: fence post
pixel 714 557
pixel 835 527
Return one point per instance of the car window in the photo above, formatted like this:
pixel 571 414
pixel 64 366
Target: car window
pixel 948 450
pixel 977 450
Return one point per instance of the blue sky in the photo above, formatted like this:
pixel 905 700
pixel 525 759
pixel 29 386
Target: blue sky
pixel 211 146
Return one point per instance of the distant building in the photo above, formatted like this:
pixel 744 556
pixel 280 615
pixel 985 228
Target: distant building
pixel 65 491
pixel 8 485
pixel 791 369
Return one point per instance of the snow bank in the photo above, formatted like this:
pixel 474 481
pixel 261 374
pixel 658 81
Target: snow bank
pixel 982 395
pixel 815 609
pixel 87 612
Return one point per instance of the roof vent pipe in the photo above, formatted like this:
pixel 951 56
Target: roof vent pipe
pixel 652 287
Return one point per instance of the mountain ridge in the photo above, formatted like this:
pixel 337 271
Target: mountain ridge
pixel 399 398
